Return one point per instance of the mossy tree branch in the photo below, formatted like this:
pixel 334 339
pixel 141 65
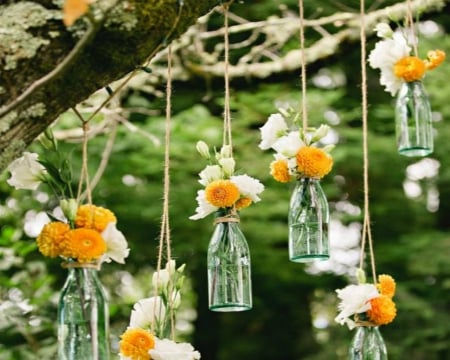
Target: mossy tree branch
pixel 33 41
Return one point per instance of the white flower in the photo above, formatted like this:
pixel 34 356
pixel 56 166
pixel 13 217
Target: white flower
pixel 289 145
pixel 384 56
pixel 116 244
pixel 147 311
pixel 26 172
pixel 274 128
pixel 209 174
pixel 227 165
pixel 384 31
pixel 354 300
pixel 248 186
pixel 204 208
pixel 166 349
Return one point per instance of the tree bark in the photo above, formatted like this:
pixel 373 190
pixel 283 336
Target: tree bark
pixel 46 68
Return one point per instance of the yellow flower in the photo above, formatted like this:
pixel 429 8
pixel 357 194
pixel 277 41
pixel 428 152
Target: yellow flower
pixel 313 162
pixel 435 58
pixel 409 68
pixel 50 239
pixel 279 170
pixel 222 193
pixel 243 202
pixel 386 285
pixel 136 343
pixel 382 310
pixel 83 244
pixel 94 217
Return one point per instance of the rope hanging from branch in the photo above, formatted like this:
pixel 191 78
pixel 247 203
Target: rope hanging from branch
pixel 227 138
pixel 366 236
pixel 303 66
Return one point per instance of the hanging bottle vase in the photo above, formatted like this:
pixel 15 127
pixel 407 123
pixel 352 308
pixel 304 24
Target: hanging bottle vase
pixel 83 316
pixel 229 270
pixel 413 123
pixel 367 344
pixel 308 222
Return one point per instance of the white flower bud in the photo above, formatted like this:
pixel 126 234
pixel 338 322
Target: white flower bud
pixel 384 31
pixel 203 149
pixel 69 208
pixel 228 165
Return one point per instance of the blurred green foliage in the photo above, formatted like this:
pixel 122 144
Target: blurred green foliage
pixel 412 238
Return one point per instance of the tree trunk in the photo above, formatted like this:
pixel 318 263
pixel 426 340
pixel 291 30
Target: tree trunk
pixel 46 68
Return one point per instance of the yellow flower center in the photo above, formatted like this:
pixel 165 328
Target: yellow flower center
pixel 222 193
pixel 83 244
pixel 382 310
pixel 135 343
pixel 94 217
pixel 313 162
pixel 279 170
pixel 410 68
pixel 50 239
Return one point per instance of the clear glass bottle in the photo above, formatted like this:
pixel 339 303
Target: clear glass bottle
pixel 367 344
pixel 413 121
pixel 83 316
pixel 229 268
pixel 308 222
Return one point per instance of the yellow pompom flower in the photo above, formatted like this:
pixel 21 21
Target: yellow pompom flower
pixel 51 237
pixel 313 162
pixel 434 59
pixel 83 244
pixel 386 285
pixel 280 171
pixel 243 202
pixel 222 193
pixel 382 310
pixel 136 343
pixel 410 68
pixel 94 217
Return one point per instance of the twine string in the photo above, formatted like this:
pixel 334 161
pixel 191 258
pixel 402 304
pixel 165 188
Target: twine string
pixel 164 238
pixel 366 231
pixel 84 173
pixel 79 265
pixel 227 140
pixel 303 67
pixel 410 25
pixel 227 219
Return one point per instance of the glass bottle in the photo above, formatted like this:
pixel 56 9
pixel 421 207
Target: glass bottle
pixel 229 268
pixel 413 125
pixel 367 344
pixel 308 222
pixel 83 316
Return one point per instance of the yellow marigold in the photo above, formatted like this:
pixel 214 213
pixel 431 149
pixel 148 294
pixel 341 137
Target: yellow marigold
pixel 434 59
pixel 243 202
pixel 280 171
pixel 382 310
pixel 83 244
pixel 222 193
pixel 94 217
pixel 313 162
pixel 50 239
pixel 386 285
pixel 409 68
pixel 136 343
